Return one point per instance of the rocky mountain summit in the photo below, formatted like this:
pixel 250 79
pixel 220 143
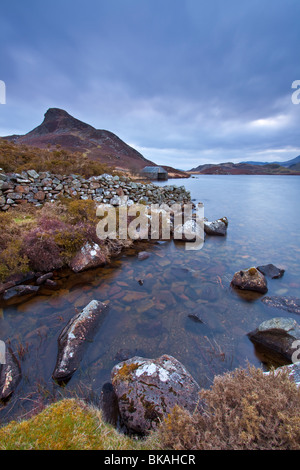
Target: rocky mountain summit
pixel 60 128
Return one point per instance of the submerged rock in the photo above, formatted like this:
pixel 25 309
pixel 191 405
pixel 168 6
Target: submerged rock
pixel 89 256
pixel 15 293
pixel 250 279
pixel 209 291
pixel 148 389
pixel 10 375
pixel 290 304
pixel 271 271
pixel 143 255
pixel 73 339
pixel 217 227
pixel 196 317
pixel 123 354
pixel 279 335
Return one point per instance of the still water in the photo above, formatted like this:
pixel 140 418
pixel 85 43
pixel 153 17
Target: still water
pixel 153 303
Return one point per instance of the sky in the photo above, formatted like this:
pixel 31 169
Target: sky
pixel 185 82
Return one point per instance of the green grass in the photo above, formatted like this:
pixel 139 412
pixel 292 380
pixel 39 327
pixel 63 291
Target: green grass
pixel 68 425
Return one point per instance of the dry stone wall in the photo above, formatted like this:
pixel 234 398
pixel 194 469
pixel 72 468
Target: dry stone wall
pixel 30 187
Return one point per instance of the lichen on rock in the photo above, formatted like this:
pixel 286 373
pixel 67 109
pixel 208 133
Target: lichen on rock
pixel 148 389
pixel 74 337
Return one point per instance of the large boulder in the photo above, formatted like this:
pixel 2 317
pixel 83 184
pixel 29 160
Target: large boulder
pixel 279 335
pixel 290 304
pixel 74 338
pixel 250 279
pixel 148 389
pixel 89 256
pixel 10 375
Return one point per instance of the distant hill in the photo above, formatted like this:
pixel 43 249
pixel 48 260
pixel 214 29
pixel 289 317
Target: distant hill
pixel 61 129
pixel 245 168
pixel 286 164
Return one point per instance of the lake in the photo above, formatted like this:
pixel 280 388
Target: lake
pixel 152 302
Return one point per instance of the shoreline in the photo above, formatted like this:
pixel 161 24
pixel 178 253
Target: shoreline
pixel 51 279
pixel 27 191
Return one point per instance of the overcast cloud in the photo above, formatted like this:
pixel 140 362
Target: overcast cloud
pixel 185 82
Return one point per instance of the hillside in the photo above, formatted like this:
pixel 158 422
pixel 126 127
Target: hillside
pixel 245 169
pixel 15 158
pixel 61 129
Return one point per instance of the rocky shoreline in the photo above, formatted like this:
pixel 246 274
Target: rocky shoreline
pixel 20 287
pixel 38 189
pixel 143 389
pixel 31 188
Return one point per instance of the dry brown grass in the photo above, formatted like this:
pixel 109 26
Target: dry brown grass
pixel 245 410
pixel 16 158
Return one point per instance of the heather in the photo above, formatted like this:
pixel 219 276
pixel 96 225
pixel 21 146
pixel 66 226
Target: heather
pixel 45 239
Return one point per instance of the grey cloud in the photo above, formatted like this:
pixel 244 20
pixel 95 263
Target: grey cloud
pixel 181 79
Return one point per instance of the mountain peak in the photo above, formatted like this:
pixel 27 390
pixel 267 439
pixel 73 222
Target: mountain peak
pixel 60 128
pixel 56 120
pixel 55 113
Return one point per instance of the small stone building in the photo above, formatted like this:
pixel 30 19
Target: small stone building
pixel 155 173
